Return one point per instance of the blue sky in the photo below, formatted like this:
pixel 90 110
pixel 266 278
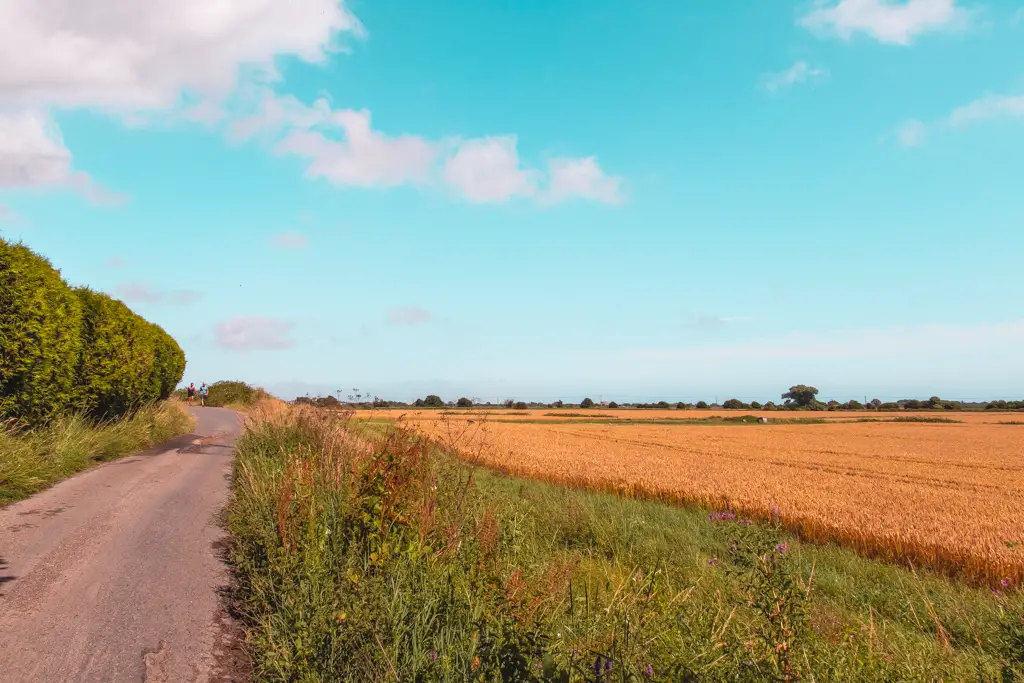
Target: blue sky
pixel 528 198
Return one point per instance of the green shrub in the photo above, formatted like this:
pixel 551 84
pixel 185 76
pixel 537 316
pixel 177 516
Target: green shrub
pixel 238 394
pixel 39 336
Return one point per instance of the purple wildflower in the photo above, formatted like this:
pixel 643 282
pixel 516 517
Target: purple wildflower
pixel 1005 583
pixel 432 656
pixel 782 548
pixel 607 665
pixel 649 670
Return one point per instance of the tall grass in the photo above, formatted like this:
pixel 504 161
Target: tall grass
pixel 33 458
pixel 364 553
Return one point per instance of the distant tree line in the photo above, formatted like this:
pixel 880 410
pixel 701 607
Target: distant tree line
pixel 70 349
pixel 799 397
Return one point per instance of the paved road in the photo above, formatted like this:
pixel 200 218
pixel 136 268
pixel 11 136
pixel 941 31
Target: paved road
pixel 114 575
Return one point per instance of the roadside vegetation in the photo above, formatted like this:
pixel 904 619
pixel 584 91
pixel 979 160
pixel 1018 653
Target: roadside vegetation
pixel 365 552
pixel 82 378
pixel 33 458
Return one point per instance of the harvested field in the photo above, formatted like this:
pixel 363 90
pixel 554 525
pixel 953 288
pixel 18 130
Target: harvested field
pixel 946 496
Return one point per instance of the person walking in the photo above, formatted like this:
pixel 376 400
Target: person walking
pixel 204 391
pixel 191 393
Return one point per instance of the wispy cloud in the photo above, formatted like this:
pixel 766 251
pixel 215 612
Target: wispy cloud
pixel 857 343
pixel 115 261
pixel 988 108
pixel 800 72
pixel 253 333
pixel 408 315
pixel 887 21
pixel 290 240
pixel 143 292
pixel 913 132
pixel 705 321
pixel 183 297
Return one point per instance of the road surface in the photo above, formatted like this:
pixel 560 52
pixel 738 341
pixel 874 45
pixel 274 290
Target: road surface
pixel 116 574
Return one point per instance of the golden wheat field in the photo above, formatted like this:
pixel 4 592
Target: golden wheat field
pixel 947 496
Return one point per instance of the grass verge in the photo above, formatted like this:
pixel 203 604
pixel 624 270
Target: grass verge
pixel 32 459
pixel 364 553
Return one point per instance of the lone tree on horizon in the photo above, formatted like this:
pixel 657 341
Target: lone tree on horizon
pixel 587 403
pixel 801 394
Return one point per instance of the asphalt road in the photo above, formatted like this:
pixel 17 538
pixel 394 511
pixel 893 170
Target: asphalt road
pixel 116 574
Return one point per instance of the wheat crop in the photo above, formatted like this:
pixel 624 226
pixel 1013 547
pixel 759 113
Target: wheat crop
pixel 946 496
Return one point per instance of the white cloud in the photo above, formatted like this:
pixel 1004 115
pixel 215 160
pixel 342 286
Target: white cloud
pixel 253 333
pixel 487 170
pixel 581 179
pixel 912 133
pixel 142 292
pixel 290 240
pixel 988 108
pixel 342 147
pixel 800 72
pixel 213 62
pixel 887 21
pixel 115 261
pixel 132 58
pixel 32 152
pixel 408 315
pixel 33 155
pixel 1018 17
pixel 124 55
pixel 365 158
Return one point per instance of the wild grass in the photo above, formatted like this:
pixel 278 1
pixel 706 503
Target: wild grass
pixel 365 553
pixel 32 459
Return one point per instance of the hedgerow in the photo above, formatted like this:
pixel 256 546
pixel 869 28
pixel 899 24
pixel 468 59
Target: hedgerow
pixel 64 349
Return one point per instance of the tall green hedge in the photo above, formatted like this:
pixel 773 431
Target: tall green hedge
pixel 64 349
